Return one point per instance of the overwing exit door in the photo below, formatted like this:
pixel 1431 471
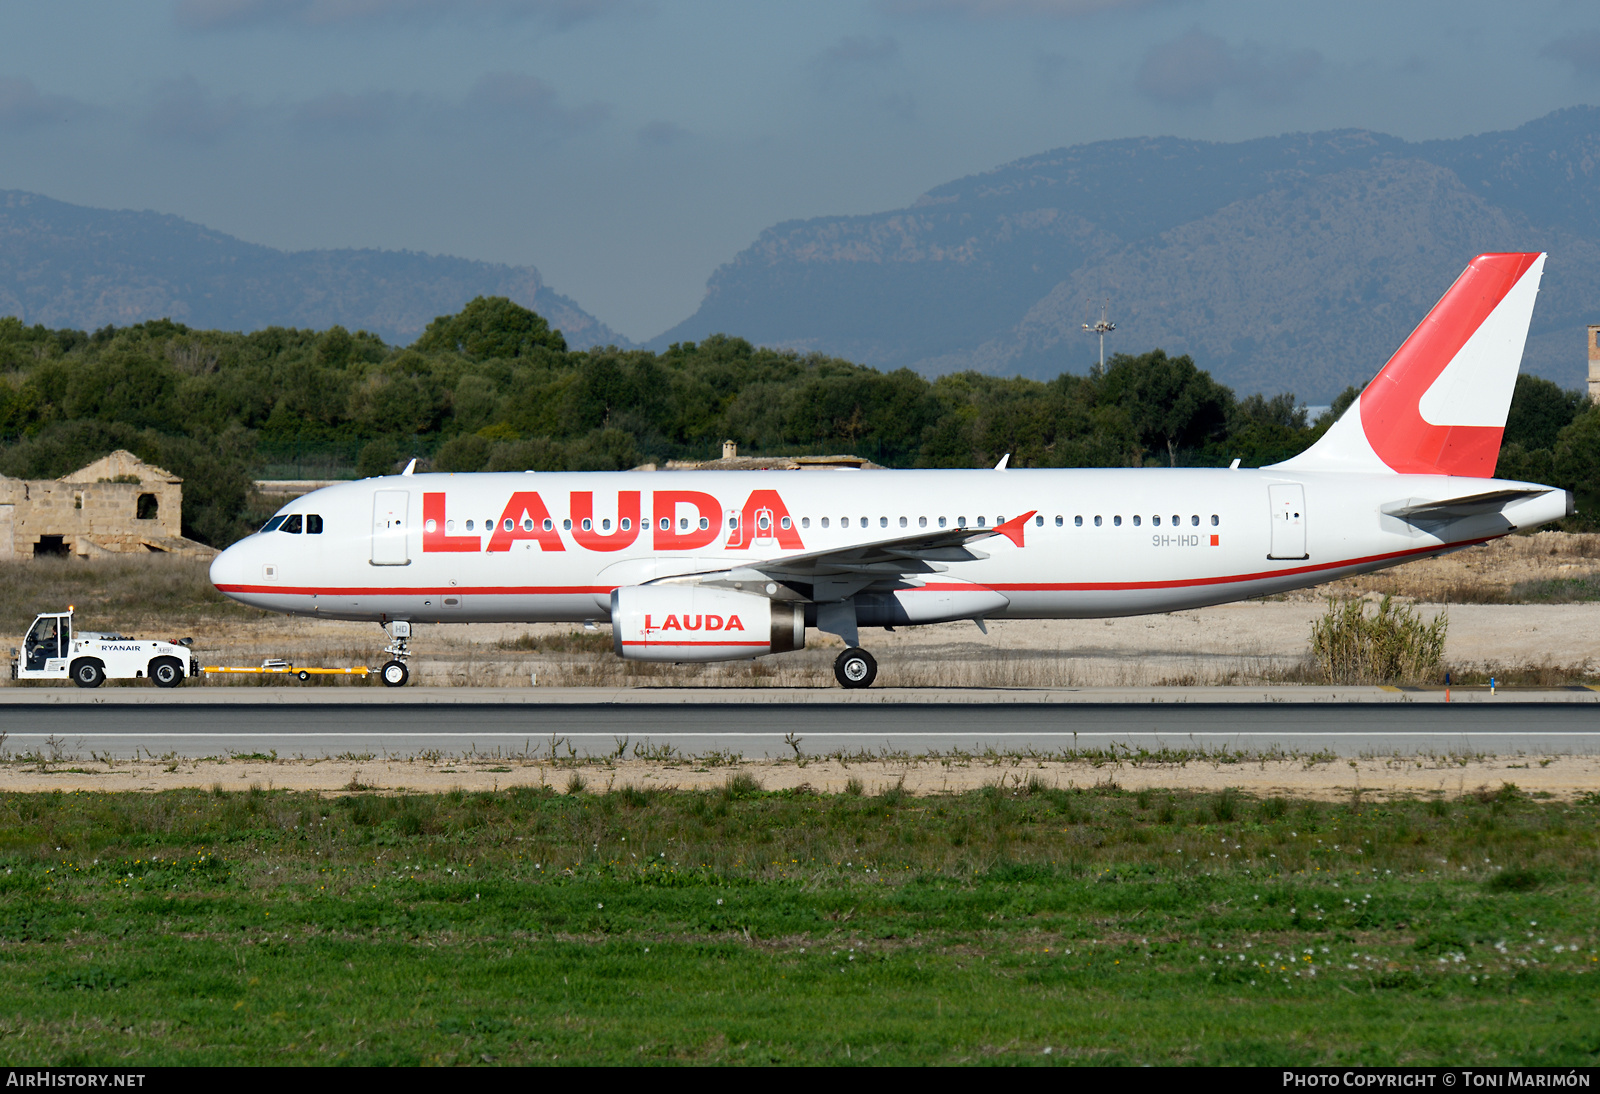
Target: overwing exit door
pixel 1288 501
pixel 389 528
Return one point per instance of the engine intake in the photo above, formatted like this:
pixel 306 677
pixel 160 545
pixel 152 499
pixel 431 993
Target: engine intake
pixel 693 623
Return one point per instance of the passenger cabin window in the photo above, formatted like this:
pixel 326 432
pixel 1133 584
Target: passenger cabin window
pixel 292 525
pixel 824 522
pixel 1214 520
pixel 1116 521
pixel 313 525
pixel 941 522
pixel 1038 522
pixel 1194 521
pixel 1156 521
pixel 922 522
pixel 805 522
pixel 1077 522
pixel 1097 521
pixel 469 526
pixel 1136 520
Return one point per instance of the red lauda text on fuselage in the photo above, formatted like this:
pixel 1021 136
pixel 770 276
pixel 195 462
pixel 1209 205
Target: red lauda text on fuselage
pixel 764 520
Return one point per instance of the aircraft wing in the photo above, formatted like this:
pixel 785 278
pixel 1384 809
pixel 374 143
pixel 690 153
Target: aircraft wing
pixel 921 553
pixel 844 571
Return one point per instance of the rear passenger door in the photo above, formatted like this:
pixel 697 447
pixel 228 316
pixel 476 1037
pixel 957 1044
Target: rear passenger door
pixel 1288 504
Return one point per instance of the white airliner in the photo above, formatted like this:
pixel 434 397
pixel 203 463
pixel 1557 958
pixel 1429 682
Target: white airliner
pixel 717 566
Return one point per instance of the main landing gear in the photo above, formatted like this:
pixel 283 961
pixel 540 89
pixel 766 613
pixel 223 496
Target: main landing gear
pixel 855 668
pixel 394 673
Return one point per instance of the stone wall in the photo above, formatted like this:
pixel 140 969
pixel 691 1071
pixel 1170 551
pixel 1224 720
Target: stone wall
pixel 117 504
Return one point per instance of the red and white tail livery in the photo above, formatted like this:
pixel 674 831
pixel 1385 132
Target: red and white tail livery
pixel 690 566
pixel 1439 406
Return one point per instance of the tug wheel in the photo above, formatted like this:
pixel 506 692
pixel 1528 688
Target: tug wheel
pixel 855 668
pixel 88 674
pixel 166 672
pixel 394 674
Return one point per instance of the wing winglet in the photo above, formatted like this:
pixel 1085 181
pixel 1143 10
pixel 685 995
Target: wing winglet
pixel 1012 529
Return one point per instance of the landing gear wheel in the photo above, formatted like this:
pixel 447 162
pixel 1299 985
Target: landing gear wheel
pixel 88 674
pixel 394 674
pixel 855 668
pixel 303 674
pixel 166 673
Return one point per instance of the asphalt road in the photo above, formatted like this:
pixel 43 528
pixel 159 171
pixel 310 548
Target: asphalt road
pixel 760 729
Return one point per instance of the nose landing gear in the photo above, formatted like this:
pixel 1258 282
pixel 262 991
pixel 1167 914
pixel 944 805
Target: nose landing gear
pixel 855 668
pixel 394 673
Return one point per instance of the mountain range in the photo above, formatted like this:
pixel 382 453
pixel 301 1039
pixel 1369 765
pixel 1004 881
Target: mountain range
pixel 1297 262
pixel 71 266
pixel 1290 263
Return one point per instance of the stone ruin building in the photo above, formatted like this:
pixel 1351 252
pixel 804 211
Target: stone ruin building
pixel 115 505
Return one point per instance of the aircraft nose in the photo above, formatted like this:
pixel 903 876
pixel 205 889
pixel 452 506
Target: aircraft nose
pixel 228 569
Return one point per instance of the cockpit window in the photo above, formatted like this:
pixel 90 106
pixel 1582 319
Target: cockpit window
pixel 272 525
pixel 313 524
pixel 292 525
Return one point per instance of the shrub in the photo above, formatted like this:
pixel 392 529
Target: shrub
pixel 1514 881
pixel 1393 645
pixel 741 785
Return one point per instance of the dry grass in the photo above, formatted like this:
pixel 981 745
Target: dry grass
pixel 126 593
pixel 1544 568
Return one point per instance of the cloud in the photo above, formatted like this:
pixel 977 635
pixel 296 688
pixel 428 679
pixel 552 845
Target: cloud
pixel 183 110
pixel 1579 48
pixel 338 113
pixel 662 134
pixel 232 14
pixel 863 71
pixel 529 103
pixel 22 106
pixel 855 51
pixel 1195 68
pixel 1016 9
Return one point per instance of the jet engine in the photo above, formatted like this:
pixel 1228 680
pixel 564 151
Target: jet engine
pixel 694 623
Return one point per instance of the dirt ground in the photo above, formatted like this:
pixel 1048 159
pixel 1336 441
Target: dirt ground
pixel 1564 778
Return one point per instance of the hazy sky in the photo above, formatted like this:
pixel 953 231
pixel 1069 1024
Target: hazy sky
pixel 628 147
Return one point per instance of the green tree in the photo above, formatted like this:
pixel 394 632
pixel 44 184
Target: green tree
pixel 1540 410
pixel 1171 403
pixel 491 327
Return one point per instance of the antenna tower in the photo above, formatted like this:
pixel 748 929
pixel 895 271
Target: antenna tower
pixel 1102 327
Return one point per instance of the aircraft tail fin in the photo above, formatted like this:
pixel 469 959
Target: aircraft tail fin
pixel 1439 406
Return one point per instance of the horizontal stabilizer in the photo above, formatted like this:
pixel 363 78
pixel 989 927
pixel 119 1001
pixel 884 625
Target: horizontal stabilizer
pixel 1413 511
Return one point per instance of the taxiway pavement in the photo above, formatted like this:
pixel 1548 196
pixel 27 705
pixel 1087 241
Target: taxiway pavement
pixel 766 722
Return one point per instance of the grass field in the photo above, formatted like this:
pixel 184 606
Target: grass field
pixel 742 926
